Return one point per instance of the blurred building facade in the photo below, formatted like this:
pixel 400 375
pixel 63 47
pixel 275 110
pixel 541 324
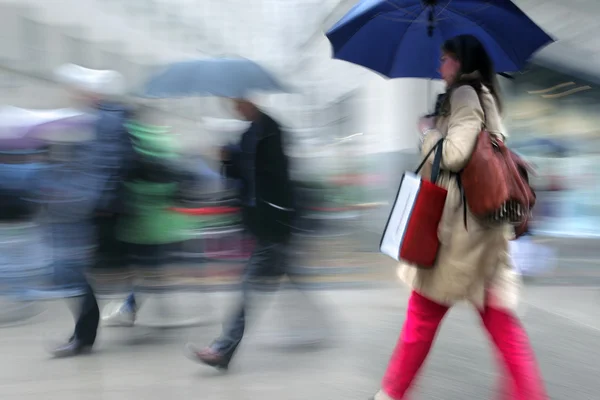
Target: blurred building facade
pixel 332 99
pixel 341 116
pixel 553 120
pixel 554 123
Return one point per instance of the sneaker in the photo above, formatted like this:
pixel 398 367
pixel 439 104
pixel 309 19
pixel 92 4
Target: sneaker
pixel 208 356
pixel 124 315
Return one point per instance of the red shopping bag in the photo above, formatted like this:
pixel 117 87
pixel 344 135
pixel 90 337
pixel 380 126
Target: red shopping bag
pixel 411 233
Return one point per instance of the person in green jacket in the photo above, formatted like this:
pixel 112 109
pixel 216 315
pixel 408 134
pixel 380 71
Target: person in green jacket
pixel 150 229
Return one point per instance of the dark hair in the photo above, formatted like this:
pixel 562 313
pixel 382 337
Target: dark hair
pixel 473 57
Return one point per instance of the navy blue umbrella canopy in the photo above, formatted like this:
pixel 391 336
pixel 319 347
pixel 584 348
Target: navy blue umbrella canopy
pixel 223 77
pixel 403 38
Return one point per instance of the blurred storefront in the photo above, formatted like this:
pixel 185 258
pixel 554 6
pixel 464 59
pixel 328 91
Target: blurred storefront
pixel 554 123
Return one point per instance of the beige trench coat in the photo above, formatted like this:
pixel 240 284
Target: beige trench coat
pixel 473 263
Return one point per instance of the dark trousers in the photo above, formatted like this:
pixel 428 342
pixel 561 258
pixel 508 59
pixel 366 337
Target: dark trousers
pixel 110 253
pixel 88 319
pixel 268 263
pixel 113 254
pixel 146 256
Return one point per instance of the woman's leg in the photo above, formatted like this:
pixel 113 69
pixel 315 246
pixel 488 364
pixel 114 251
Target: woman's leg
pixel 506 384
pixel 516 353
pixel 422 321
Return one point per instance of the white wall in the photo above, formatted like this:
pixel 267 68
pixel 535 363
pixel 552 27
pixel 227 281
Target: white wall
pixel 389 110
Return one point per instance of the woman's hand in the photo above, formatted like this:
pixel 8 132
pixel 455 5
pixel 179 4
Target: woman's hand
pixel 426 124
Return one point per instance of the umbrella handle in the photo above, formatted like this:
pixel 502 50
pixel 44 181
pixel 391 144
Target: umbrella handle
pixel 429 87
pixel 430 17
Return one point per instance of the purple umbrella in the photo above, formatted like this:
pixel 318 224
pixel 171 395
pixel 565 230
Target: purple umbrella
pixel 22 129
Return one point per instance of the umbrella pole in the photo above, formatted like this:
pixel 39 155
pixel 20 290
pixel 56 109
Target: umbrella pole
pixel 430 97
pixel 429 89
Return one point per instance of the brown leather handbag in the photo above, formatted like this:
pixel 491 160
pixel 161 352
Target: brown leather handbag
pixel 495 184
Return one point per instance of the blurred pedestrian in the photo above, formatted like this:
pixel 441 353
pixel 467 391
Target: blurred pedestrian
pixel 260 163
pixel 150 230
pixel 24 259
pixel 91 191
pixel 473 264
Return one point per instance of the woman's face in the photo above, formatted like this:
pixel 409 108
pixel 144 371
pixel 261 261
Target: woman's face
pixel 449 68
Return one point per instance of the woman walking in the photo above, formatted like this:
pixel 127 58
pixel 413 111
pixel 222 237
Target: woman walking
pixel 473 262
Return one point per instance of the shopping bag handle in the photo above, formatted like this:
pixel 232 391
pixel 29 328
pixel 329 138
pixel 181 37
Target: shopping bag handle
pixel 437 161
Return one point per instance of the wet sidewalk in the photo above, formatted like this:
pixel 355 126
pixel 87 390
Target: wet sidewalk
pixel 148 363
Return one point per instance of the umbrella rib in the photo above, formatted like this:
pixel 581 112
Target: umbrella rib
pixel 384 13
pixel 486 31
pixel 391 62
pixel 484 6
pixel 444 8
pixel 398 8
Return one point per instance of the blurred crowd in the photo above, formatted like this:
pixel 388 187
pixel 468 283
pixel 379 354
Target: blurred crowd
pixel 123 202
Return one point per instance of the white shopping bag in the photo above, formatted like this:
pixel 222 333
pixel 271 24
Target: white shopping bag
pixel 411 233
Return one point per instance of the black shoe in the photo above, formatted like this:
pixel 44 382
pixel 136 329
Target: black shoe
pixel 209 356
pixel 72 348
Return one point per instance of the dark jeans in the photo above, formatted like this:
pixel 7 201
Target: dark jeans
pixel 109 253
pixel 144 256
pixel 268 262
pixel 86 326
pixel 149 255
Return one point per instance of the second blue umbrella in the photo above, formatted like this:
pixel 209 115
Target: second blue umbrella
pixel 226 77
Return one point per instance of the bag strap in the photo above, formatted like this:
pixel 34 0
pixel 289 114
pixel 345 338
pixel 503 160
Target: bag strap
pixel 437 161
pixel 464 199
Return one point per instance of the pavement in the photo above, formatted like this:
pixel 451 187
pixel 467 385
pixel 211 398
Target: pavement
pixel 277 360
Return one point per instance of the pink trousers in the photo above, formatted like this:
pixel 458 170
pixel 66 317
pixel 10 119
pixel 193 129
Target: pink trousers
pixel 521 379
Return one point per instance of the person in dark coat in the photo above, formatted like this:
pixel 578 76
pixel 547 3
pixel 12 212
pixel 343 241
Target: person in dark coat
pixel 261 165
pixel 82 222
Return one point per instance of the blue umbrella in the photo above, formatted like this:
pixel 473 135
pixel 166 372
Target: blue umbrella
pixel 234 78
pixel 403 38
